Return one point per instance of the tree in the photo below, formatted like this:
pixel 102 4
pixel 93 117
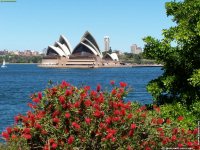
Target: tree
pixel 179 51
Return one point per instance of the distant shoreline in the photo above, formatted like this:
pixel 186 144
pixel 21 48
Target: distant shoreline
pixel 120 66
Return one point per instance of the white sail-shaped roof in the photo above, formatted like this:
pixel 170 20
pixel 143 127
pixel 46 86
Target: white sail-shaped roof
pixel 57 50
pixel 113 56
pixel 88 41
pixel 66 42
pixel 63 47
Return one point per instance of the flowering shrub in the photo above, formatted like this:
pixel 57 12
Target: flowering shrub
pixel 67 117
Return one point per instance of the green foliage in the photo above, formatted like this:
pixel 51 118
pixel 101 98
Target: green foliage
pixel 173 111
pixel 21 59
pixel 179 51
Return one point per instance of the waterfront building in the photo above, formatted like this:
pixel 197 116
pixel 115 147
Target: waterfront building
pixel 85 55
pixel 135 49
pixel 106 43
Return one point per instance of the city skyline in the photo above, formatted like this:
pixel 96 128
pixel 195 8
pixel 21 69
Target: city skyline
pixel 36 24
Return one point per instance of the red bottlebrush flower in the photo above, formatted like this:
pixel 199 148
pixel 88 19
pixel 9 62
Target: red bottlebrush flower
pixel 27 136
pixel 13 136
pixel 87 120
pixel 9 130
pixel 62 99
pixel 5 135
pixel 64 84
pixel 98 87
pixel 44 132
pixel 27 130
pixel 51 141
pixel 175 130
pixel 133 126
pixel 112 82
pixel 130 133
pixel 70 140
pixel 189 144
pixel 87 88
pixel 54 145
pixel 77 104
pixel 160 120
pixel 147 148
pixel 108 120
pixel 130 116
pixel 75 125
pixel 168 121
pixel 68 92
pixel 55 113
pixel 114 92
pixel 123 84
pixel 38 126
pixel 180 118
pixel 56 120
pixel 180 145
pixel 67 115
pixel 195 131
pixel 159 129
pixel 17 118
pixel 40 95
pixel 88 103
pixel 36 100
pixel 117 112
pixel 173 138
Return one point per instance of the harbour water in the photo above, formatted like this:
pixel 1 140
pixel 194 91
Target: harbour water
pixel 17 82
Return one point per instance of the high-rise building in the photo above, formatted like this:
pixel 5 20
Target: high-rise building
pixel 106 43
pixel 135 49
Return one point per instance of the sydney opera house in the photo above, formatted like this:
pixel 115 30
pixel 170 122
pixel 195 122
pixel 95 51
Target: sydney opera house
pixel 85 55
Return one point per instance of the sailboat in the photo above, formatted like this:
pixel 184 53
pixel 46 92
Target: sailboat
pixel 4 64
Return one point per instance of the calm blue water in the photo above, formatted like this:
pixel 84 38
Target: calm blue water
pixel 17 82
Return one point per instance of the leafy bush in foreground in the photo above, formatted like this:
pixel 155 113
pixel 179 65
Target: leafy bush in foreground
pixel 67 117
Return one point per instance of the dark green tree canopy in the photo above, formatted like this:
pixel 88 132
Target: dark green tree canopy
pixel 179 51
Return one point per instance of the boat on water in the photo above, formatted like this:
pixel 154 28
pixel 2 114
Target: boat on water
pixel 4 64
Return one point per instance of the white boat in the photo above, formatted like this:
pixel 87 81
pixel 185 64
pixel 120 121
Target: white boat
pixel 4 64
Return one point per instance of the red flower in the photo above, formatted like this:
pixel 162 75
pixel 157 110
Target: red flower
pixel 173 138
pixel 38 126
pixel 5 135
pixel 26 136
pixel 56 120
pixel 27 130
pixel 97 113
pixel 133 126
pixel 123 84
pixel 87 120
pixel 62 99
pixel 180 145
pixel 40 95
pixel 130 116
pixel 67 115
pixel 75 125
pixel 189 144
pixel 180 118
pixel 64 84
pixel 36 100
pixel 68 92
pixel 54 145
pixel 168 121
pixel 87 88
pixel 160 121
pixel 98 87
pixel 88 103
pixel 112 82
pixel 113 92
pixel 70 140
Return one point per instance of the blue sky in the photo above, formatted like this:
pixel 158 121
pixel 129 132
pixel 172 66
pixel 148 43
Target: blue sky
pixel 35 24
